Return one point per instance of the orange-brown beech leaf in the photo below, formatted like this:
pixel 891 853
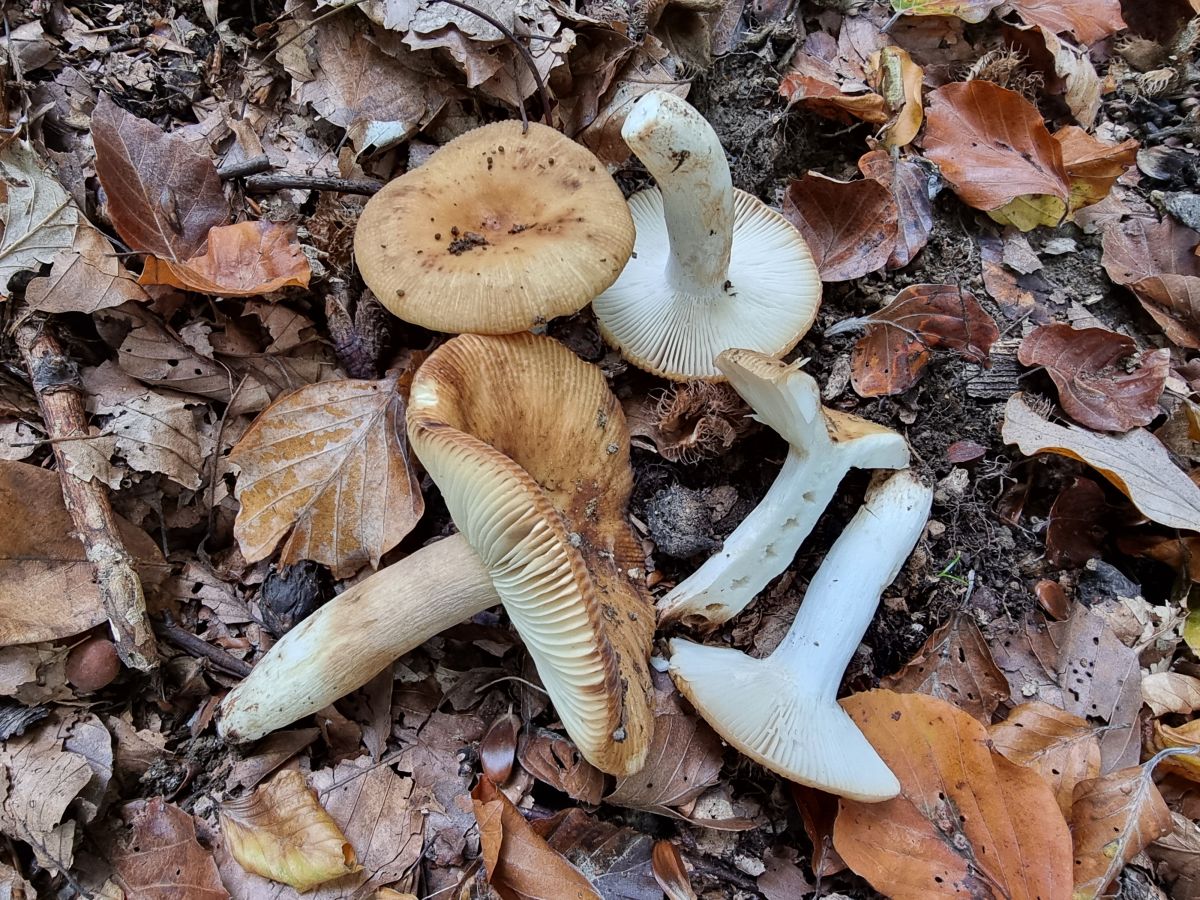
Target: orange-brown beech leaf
pixel 893 354
pixel 967 822
pixel 1052 599
pixel 821 80
pixel 242 260
pixel 1061 747
pixel 1181 553
pixel 1096 385
pixel 553 759
pixel 850 226
pixel 1077 524
pixel 908 180
pixel 498 749
pixel 1171 692
pixel 329 463
pixel 992 146
pixel 670 872
pixel 1092 165
pixel 1184 738
pixel 1157 261
pixel 163 196
pixel 968 10
pixel 898 80
pixel 1087 21
pixel 818 811
pixel 163 860
pixel 520 864
pixel 955 665
pixel 1113 819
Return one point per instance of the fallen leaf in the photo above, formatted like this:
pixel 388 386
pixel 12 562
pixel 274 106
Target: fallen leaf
pixel 1181 553
pixel 1061 747
pixel 818 812
pixel 782 879
pixel 553 759
pixel 328 454
pixel 968 10
pixel 163 196
pixel 87 277
pixel 993 148
pixel 616 860
pixel 163 860
pixel 38 216
pixel 1092 166
pixel 1135 462
pixel 1186 737
pixel 850 226
pixel 908 180
pixel 1088 21
pixel 1102 380
pixel 670 872
pixel 269 754
pixel 1082 86
pixel 1178 858
pixel 896 349
pixel 1113 819
pixel 898 80
pixel 967 821
pixel 1077 524
pixel 1171 692
pixel 498 749
pixel 283 833
pixel 1156 261
pixel 41 557
pixel 954 665
pixel 822 79
pixel 964 452
pixel 520 864
pixel 242 260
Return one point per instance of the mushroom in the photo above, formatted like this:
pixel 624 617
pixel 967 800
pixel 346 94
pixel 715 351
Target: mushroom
pixel 824 445
pixel 531 452
pixel 782 710
pixel 497 232
pixel 713 267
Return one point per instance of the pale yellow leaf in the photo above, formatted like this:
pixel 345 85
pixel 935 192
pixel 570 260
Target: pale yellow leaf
pixel 1170 692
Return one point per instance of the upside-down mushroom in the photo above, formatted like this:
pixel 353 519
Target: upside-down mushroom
pixel 713 267
pixel 782 710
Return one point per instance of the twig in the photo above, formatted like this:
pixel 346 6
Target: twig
pixel 312 23
pixel 55 380
pixel 197 646
pixel 251 166
pixel 278 181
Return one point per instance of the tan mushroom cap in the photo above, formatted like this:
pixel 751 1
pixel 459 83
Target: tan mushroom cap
pixel 531 452
pixel 497 232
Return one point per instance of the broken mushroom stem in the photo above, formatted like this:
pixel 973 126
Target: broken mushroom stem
pixel 358 634
pixel 824 446
pixel 782 710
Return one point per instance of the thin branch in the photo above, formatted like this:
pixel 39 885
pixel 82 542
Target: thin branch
pixel 252 166
pixel 197 646
pixel 278 181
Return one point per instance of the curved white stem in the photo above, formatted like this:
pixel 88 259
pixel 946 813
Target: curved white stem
pixel 353 637
pixel 683 153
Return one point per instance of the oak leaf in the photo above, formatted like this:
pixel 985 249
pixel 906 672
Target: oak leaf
pixel 973 11
pixel 163 859
pixel 242 260
pixel 329 463
pixel 908 180
pixel 967 821
pixel 1088 21
pixel 850 226
pixel 39 219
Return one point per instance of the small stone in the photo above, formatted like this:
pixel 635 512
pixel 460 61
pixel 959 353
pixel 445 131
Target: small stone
pixel 936 529
pixel 952 487
pixel 1184 206
pixel 749 865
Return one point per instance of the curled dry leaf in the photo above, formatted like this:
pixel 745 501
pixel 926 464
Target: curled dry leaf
pixel 558 762
pixel 1185 737
pixel 823 80
pixel 1092 166
pixel 670 872
pixel 282 832
pixel 818 812
pixel 163 859
pixel 1178 858
pixel 1061 747
pixel 1156 260
pixel 908 180
pixel 498 749
pixel 898 80
pixel 1135 462
pixel 955 665
pixel 1097 387
pixel 850 226
pixel 893 354
pixel 1171 692
pixel 38 216
pixel 1088 21
pixel 520 864
pixel 968 10
pixel 241 260
pixel 330 463
pixel 967 822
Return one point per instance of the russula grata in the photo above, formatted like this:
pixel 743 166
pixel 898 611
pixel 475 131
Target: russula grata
pixel 713 267
pixel 782 710
pixel 824 445
pixel 531 452
pixel 497 232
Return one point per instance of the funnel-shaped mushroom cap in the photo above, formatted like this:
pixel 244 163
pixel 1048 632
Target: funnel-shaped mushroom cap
pixel 531 452
pixel 497 232
pixel 713 267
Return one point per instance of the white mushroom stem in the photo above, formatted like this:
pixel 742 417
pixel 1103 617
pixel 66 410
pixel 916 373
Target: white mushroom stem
pixel 782 711
pixel 683 153
pixel 355 636
pixel 824 446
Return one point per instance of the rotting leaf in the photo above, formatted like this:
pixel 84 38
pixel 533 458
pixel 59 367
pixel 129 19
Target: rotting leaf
pixel 163 859
pixel 616 860
pixel 967 821
pixel 1135 462
pixel 328 453
pixel 850 226
pixel 908 180
pixel 242 260
pixel 1171 692
pixel 972 11
pixel 955 665
pixel 1096 386
pixel 1062 747
pixel 1156 260
pixel 85 278
pixel 38 216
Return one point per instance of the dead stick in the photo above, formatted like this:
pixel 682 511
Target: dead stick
pixel 56 382
pixel 197 646
pixel 277 181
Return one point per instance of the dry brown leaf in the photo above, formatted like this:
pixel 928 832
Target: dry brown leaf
pixel 162 860
pixel 1092 165
pixel 1088 21
pixel 908 180
pixel 1171 692
pixel 39 219
pixel 968 10
pixel 520 864
pixel 992 146
pixel 1103 382
pixel 670 872
pixel 163 197
pixel 1185 737
pixel 823 79
pixel 1077 524
pixel 1181 553
pixel 1113 819
pixel 1156 260
pixel 242 260
pixel 330 463
pixel 955 665
pixel 850 226
pixel 1081 85
pixel 40 557
pixel 898 80
pixel 87 277
pixel 555 760
pixel 1178 858
pixel 617 861
pixel 1135 462
pixel 967 822
pixel 818 812
pixel 1061 747
pixel 283 833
